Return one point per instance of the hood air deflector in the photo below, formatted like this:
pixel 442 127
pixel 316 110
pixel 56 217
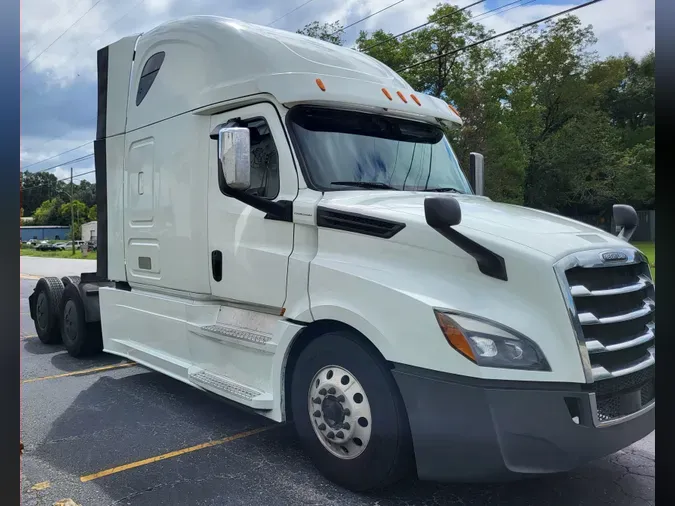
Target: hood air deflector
pixel 441 214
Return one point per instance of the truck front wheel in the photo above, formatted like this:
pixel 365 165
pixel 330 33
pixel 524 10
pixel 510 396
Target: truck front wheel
pixel 349 415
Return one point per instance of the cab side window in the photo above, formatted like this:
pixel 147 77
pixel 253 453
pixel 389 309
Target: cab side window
pixel 264 159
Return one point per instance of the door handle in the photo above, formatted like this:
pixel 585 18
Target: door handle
pixel 217 264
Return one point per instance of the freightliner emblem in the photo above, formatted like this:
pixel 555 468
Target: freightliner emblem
pixel 614 256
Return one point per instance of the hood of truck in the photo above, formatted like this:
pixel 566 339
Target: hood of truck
pixel 547 233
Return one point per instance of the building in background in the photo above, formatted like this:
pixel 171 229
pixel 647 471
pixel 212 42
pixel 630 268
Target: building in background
pixel 44 232
pixel 89 231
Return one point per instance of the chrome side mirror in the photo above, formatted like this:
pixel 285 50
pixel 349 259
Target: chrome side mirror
pixel 234 150
pixel 476 174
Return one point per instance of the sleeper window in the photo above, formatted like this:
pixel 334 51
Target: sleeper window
pixel 148 75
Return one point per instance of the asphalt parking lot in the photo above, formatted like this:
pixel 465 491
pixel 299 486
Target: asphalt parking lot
pixel 102 431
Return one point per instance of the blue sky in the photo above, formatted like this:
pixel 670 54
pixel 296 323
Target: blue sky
pixel 58 89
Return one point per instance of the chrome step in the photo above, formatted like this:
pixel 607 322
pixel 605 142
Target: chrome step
pixel 231 334
pixel 230 389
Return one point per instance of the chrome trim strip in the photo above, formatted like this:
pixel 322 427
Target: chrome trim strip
pixel 597 347
pixel 621 419
pixel 582 291
pixel 601 373
pixel 588 259
pixel 590 319
pixel 592 259
pixel 200 297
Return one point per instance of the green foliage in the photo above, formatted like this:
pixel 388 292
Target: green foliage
pixel 560 129
pixel 57 212
pixel 93 213
pixel 37 187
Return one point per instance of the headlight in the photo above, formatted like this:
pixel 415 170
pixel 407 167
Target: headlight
pixel 490 344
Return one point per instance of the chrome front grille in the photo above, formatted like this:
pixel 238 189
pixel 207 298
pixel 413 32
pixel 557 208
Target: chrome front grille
pixel 611 301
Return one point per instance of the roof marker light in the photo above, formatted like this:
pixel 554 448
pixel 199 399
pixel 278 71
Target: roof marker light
pixel 402 97
pixel 417 100
pixel 453 110
pixel 386 93
pixel 320 84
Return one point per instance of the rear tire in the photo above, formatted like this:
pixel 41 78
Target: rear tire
pixel 67 280
pixel 47 304
pixel 361 440
pixel 79 337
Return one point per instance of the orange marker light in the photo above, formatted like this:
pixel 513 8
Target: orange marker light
pixel 417 100
pixel 386 93
pixel 320 84
pixel 402 97
pixel 454 336
pixel 453 109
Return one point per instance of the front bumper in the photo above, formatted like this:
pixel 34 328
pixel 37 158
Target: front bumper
pixel 470 430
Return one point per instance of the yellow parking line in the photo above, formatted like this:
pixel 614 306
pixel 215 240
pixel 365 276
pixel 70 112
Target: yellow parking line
pixel 29 336
pixel 29 276
pixel 176 453
pixel 84 371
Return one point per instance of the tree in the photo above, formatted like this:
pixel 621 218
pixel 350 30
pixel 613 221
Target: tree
pixel 93 213
pixel 560 129
pixel 35 187
pixel 48 213
pixel 631 101
pixel 446 76
pixel 80 215
pixel 329 32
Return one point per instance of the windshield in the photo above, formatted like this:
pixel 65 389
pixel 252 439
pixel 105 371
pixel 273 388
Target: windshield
pixel 349 150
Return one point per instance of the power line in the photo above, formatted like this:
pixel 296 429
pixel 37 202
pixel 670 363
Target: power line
pixel 435 20
pixel 100 36
pixel 290 12
pixel 488 39
pixel 75 160
pixel 59 37
pixel 58 180
pixel 52 157
pixel 367 17
pixel 69 11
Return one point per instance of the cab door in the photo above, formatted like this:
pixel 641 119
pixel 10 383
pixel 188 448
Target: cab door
pixel 248 252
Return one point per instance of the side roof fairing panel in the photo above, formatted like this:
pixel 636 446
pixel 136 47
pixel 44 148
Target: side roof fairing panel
pixel 114 65
pixel 120 65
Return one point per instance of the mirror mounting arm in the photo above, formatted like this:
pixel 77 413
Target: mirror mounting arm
pixel 281 210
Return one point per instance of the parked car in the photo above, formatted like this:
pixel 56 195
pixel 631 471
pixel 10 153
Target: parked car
pixel 46 246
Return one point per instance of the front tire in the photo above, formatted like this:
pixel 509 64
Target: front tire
pixel 349 415
pixel 79 337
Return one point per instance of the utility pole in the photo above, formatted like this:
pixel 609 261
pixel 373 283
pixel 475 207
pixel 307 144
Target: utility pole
pixel 72 213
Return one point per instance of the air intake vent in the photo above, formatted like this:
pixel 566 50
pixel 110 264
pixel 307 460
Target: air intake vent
pixel 359 224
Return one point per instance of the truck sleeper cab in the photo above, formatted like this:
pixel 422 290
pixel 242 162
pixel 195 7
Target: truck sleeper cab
pixel 282 222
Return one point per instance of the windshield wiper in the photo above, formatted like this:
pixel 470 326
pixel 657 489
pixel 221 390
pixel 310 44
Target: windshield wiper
pixel 365 184
pixel 443 190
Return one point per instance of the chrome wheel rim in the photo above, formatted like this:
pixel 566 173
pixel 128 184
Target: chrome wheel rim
pixel 339 412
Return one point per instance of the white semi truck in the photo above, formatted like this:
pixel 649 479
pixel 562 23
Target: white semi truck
pixel 283 223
